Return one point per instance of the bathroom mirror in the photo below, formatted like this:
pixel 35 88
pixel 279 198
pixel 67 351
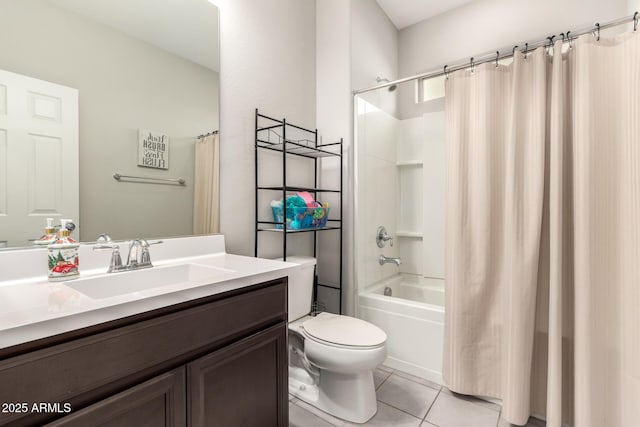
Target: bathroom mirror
pixel 141 69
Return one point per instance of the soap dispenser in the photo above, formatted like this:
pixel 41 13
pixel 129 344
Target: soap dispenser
pixel 49 235
pixel 63 254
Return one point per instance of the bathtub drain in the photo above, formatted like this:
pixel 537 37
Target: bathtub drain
pixel 387 291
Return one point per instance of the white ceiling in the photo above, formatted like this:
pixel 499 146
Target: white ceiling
pixel 404 13
pixel 187 28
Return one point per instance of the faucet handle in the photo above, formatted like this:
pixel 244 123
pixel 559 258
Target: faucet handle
pixel 383 237
pixel 145 256
pixel 103 238
pixel 115 264
pixel 104 242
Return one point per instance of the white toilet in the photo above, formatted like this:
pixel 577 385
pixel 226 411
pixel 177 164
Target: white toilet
pixel 331 357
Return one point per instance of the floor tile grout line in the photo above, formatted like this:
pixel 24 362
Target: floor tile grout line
pixel 317 416
pixel 415 382
pixel 380 385
pixel 431 406
pixel 401 410
pixel 312 414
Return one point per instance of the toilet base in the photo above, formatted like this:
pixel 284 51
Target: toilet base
pixel 302 388
pixel 351 397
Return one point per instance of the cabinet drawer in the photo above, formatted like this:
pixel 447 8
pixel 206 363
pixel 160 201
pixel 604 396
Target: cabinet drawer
pixel 86 370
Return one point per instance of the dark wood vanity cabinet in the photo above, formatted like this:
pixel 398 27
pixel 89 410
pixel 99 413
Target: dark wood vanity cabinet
pixel 161 401
pixel 239 385
pixel 218 361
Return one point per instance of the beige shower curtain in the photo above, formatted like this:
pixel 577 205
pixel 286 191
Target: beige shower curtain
pixel 206 197
pixel 543 233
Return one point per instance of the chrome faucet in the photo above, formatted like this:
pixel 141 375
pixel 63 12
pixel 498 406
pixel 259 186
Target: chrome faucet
pixel 384 260
pixel 139 256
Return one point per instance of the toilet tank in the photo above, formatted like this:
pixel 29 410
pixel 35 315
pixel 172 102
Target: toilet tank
pixel 300 288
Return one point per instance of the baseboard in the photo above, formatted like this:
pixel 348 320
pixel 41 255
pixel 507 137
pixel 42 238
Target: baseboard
pixel 416 370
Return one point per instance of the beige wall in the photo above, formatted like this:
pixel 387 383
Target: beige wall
pixel 333 115
pixel 374 45
pixel 124 84
pixel 267 57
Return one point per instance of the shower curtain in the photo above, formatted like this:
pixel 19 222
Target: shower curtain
pixel 206 191
pixel 543 233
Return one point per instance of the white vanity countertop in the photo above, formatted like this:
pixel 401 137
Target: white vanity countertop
pixel 33 308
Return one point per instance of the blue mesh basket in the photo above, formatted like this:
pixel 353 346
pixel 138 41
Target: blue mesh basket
pixel 301 218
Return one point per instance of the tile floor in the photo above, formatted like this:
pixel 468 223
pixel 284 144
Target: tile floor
pixel 408 401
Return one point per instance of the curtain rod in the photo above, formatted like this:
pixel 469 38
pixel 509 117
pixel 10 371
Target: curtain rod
pixel 204 135
pixel 490 57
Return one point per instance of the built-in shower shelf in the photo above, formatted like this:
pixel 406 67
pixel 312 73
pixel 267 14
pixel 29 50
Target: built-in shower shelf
pixel 409 234
pixel 409 163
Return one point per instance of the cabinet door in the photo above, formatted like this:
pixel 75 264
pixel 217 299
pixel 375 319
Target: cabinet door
pixel 154 403
pixel 241 385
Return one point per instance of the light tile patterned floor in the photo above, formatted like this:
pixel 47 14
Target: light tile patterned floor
pixel 408 401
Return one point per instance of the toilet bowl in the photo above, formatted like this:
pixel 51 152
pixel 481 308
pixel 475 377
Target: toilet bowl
pixel 344 350
pixel 343 344
pixel 331 357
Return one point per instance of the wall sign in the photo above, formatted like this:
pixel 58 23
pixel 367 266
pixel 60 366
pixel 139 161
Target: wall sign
pixel 153 149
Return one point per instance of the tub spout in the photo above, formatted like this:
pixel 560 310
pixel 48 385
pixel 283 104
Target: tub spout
pixel 383 260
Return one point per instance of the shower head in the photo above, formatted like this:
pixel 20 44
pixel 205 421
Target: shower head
pixel 382 79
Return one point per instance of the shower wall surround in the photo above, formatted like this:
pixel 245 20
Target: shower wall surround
pixel 377 132
pixel 401 185
pixel 421 187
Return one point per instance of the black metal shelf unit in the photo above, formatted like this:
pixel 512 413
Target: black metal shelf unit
pixel 273 136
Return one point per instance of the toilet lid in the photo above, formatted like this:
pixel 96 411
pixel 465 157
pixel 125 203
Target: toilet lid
pixel 344 330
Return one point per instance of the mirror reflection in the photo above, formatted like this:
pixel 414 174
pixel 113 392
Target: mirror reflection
pixel 94 88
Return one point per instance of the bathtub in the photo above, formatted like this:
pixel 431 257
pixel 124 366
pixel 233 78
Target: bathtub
pixel 413 318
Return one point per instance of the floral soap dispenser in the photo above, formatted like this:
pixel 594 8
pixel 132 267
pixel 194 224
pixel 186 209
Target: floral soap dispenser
pixel 63 254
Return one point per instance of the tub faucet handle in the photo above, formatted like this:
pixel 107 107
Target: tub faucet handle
pixel 383 237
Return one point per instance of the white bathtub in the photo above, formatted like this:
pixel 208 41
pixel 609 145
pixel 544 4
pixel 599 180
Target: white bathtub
pixel 413 318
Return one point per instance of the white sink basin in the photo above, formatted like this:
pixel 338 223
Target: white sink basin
pixel 114 284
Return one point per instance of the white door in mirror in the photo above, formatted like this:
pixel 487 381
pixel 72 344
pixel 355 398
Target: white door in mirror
pixel 39 152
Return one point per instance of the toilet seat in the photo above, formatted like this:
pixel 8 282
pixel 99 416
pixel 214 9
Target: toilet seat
pixel 343 331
